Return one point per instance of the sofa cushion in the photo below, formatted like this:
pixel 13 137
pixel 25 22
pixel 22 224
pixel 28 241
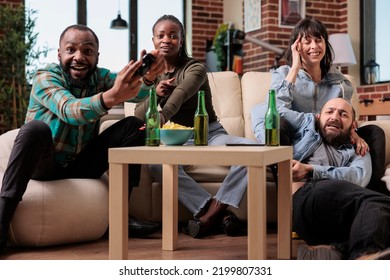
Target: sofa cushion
pixel 227 102
pixel 60 212
pixel 207 173
pixel 254 86
pixel 6 143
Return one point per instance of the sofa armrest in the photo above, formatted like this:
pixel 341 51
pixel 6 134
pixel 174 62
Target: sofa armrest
pixel 385 125
pixel 226 95
pixel 6 143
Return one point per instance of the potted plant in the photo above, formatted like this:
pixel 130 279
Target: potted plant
pixel 219 46
pixel 17 57
pixel 222 45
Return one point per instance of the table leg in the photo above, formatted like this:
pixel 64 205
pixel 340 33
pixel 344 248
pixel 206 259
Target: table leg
pixel 118 211
pixel 170 207
pixel 257 220
pixel 284 210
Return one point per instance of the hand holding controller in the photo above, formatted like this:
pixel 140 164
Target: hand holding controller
pixel 147 61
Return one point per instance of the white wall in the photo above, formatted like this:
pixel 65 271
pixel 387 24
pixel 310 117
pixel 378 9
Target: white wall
pixel 188 25
pixel 232 12
pixel 354 33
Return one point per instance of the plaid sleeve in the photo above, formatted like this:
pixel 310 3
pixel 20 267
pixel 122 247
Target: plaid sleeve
pixel 50 91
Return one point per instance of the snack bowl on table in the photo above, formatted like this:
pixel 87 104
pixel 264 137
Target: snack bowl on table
pixel 175 137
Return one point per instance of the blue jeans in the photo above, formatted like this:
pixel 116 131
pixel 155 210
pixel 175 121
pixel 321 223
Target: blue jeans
pixel 233 188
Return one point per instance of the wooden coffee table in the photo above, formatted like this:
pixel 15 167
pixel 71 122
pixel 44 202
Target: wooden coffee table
pixel 256 158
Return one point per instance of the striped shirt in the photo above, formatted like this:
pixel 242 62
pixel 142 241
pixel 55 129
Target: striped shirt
pixel 72 113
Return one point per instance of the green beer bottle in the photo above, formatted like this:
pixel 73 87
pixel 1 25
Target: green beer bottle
pixel 152 118
pixel 272 122
pixel 201 122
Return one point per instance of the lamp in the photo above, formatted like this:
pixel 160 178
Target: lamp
pixel 119 23
pixel 238 34
pixel 342 47
pixel 371 72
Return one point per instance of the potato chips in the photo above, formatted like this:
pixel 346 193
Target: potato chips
pixel 172 125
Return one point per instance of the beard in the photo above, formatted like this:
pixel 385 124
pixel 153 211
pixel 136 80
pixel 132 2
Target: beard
pixel 80 83
pixel 335 140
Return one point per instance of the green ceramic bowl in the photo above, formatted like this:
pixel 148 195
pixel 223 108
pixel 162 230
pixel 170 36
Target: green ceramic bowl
pixel 175 137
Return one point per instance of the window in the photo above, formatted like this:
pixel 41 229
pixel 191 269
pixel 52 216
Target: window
pixel 54 16
pixel 147 17
pixel 375 41
pixel 113 44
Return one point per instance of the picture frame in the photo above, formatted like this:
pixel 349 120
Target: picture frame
pixel 252 15
pixel 291 12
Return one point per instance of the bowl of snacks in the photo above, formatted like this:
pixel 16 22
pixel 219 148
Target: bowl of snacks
pixel 173 134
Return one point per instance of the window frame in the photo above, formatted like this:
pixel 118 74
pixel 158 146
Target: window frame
pixel 368 38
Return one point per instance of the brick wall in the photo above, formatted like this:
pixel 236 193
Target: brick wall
pixel 11 2
pixel 207 15
pixel 374 91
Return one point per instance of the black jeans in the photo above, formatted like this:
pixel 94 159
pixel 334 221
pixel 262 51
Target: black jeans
pixel 32 156
pixel 333 211
pixel 375 138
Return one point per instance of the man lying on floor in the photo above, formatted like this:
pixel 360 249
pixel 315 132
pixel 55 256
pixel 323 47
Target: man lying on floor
pixel 332 210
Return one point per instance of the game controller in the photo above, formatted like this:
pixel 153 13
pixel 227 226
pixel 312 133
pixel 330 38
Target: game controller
pixel 147 61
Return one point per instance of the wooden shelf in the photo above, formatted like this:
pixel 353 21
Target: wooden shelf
pixel 373 107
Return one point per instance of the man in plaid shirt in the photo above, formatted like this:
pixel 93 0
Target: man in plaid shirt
pixel 60 137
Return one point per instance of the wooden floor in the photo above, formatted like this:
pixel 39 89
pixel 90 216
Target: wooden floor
pixel 216 247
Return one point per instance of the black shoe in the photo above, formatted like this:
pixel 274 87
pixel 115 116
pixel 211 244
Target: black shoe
pixel 231 225
pixel 3 241
pixel 7 210
pixel 197 229
pixel 138 228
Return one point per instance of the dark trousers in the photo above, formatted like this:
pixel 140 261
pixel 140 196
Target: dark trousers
pixel 375 138
pixel 32 156
pixel 333 211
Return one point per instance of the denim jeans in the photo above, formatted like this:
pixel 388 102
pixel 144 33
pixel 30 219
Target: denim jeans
pixel 233 188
